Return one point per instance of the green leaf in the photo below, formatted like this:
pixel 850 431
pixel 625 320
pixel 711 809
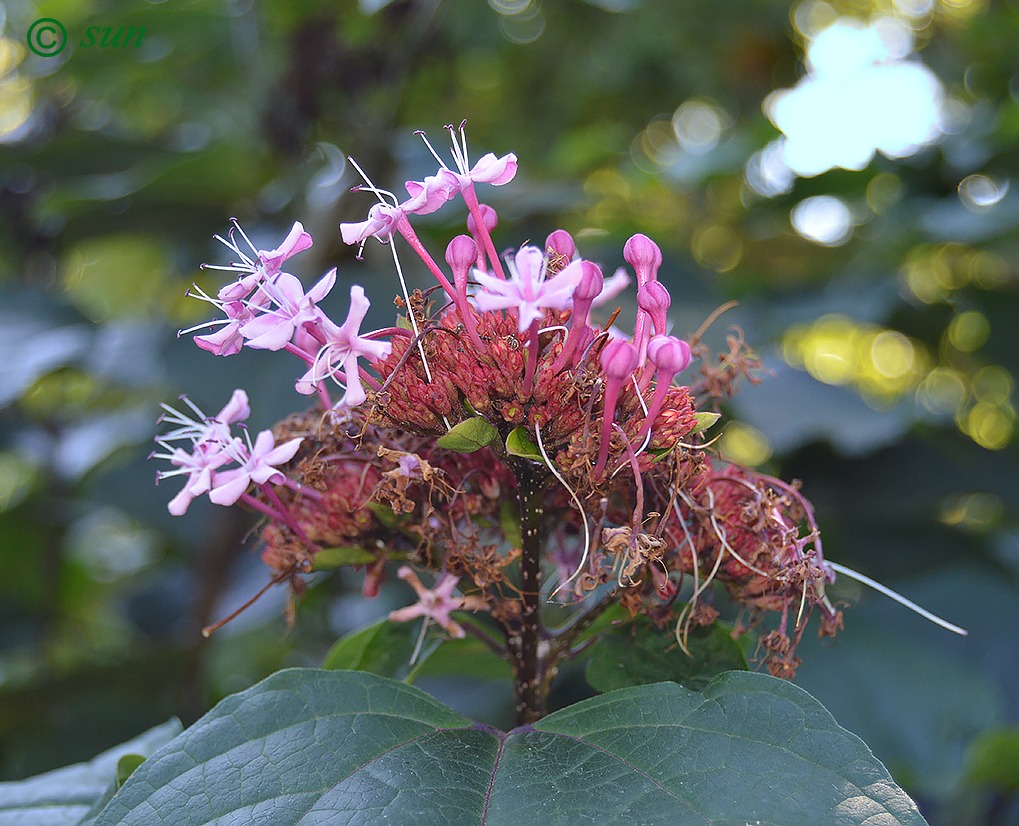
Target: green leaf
pixel 384 648
pixel 705 420
pixel 126 765
pixel 992 759
pixel 468 657
pixel 639 653
pixel 470 435
pixel 519 443
pixel 69 796
pixel 345 747
pixel 329 558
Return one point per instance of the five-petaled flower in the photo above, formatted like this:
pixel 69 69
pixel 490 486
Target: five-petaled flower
pixel 528 289
pixel 437 603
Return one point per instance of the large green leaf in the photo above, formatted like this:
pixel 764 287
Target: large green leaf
pixel 639 653
pixel 68 796
pixel 341 747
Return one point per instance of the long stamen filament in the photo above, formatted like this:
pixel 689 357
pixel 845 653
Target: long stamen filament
pixel 888 592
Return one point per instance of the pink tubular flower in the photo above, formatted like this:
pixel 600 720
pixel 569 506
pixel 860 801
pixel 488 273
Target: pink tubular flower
pixel 244 299
pixel 380 224
pixel 618 360
pixel 436 603
pixel 273 328
pixel 257 467
pixel 527 289
pixel 343 346
pixel 670 356
pixel 212 447
pixel 488 170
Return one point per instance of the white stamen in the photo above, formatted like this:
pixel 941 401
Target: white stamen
pixel 435 154
pixel 888 592
pixel 580 510
pixel 379 193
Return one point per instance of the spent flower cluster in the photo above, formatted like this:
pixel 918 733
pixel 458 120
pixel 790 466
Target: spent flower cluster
pixel 506 438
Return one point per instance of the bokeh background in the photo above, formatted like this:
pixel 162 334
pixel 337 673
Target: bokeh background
pixel 843 169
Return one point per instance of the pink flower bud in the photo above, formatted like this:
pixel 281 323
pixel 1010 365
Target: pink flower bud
pixel 560 242
pixel 488 215
pixel 618 360
pixel 654 299
pixel 669 354
pixel 588 288
pixel 643 254
pixel 461 255
pixel 591 283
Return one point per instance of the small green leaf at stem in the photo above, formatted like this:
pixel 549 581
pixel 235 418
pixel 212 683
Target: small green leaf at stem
pixel 469 435
pixel 329 558
pixel 705 420
pixel 639 653
pixel 519 443
pixel 384 648
pixel 126 765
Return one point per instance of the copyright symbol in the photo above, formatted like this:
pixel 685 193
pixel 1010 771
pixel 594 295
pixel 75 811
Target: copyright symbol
pixel 47 37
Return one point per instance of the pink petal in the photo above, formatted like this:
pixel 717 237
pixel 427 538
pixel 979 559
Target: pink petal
pixel 268 332
pixel 179 504
pixel 322 287
pixel 234 483
pixel 492 170
pixel 296 241
pixel 235 410
pixel 226 341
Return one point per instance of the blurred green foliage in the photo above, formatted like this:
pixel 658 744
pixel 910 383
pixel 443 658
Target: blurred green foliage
pixel 893 351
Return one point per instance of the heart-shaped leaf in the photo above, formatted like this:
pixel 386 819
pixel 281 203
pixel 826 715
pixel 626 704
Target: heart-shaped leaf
pixel 639 653
pixel 469 435
pixel 310 747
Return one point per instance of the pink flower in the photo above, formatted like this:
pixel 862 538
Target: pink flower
pixel 527 289
pixel 488 170
pixel 381 223
pixel 272 329
pixel 437 603
pixel 212 446
pixel 344 345
pixel 257 467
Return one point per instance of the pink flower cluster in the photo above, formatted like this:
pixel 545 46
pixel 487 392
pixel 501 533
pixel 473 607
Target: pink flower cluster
pixel 268 309
pixel 213 447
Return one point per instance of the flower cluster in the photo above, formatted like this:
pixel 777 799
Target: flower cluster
pixel 503 432
pixel 214 449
